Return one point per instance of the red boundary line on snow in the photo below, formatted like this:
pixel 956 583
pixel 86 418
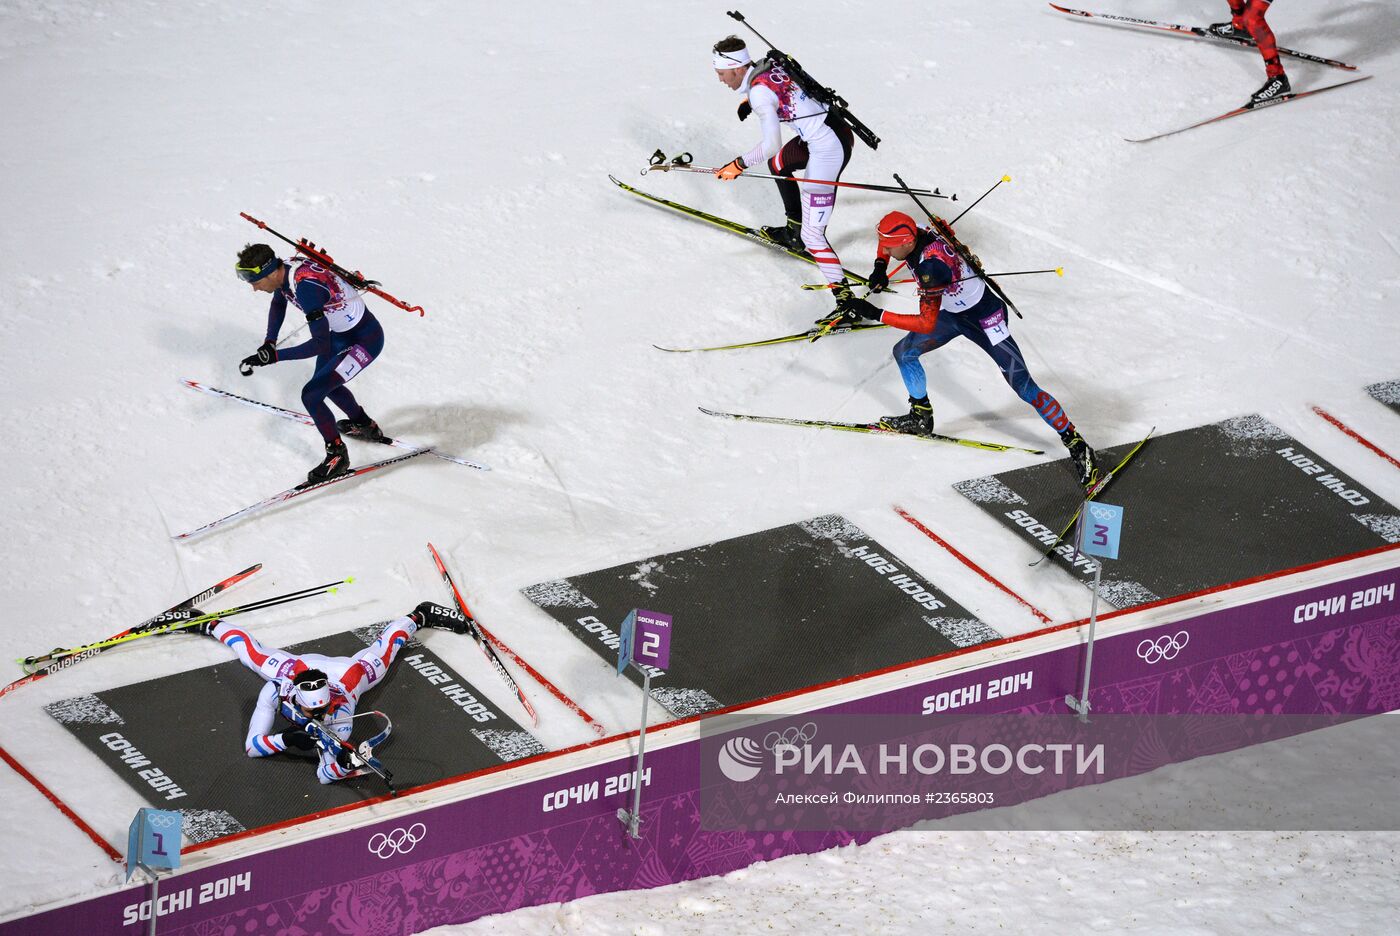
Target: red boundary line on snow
pixel 1045 618
pixel 62 806
pixel 1355 435
pixel 1068 625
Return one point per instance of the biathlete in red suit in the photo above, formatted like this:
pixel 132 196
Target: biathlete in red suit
pixel 1247 22
pixel 954 302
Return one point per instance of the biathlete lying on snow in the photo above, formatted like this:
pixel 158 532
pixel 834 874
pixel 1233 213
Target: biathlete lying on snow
pixel 310 688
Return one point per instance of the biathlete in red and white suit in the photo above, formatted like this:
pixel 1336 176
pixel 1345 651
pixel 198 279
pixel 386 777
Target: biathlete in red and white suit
pixel 954 302
pixel 821 149
pixel 304 687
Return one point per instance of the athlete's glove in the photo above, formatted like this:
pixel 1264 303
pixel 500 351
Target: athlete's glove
pixel 745 109
pixel 265 355
pixel 732 170
pixel 879 277
pixel 296 739
pixel 856 308
pixel 347 760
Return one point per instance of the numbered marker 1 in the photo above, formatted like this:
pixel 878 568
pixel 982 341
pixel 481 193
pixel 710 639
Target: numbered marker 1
pixel 154 840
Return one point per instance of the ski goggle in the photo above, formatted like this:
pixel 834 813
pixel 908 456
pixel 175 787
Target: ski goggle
pixel 311 685
pixel 255 273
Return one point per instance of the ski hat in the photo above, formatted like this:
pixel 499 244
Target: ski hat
pixel 256 261
pixel 896 228
pixel 739 58
pixel 312 690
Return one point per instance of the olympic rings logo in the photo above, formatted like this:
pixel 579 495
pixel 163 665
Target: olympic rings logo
pixel 397 842
pixel 163 820
pixel 1102 513
pixel 789 737
pixel 1165 647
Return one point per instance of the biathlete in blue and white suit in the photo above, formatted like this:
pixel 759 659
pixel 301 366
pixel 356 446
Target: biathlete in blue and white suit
pixel 953 302
pixel 307 687
pixel 345 339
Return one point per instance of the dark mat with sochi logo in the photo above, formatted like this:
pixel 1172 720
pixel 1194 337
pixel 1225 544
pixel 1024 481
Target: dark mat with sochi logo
pixel 1387 392
pixel 767 613
pixel 1204 507
pixel 178 740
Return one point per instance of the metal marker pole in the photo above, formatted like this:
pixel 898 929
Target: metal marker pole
pixel 155 898
pixel 633 820
pixel 1081 705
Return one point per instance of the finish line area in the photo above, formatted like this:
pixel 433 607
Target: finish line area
pixel 1239 536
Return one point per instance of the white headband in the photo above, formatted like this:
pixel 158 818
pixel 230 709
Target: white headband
pixel 737 59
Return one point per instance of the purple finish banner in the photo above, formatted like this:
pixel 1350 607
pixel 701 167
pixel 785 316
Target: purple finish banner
pixel 1331 650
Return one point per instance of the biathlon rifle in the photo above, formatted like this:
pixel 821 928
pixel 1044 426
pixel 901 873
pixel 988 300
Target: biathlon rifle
pixel 357 280
pixel 834 102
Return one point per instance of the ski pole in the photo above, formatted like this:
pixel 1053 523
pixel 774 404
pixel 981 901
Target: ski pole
pixel 356 279
pixel 1005 178
pixel 866 186
pixel 59 653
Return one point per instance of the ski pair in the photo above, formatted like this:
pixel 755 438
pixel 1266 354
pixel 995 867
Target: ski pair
pixel 305 420
pixel 489 643
pixel 1200 32
pixel 733 227
pixel 59 658
pixel 1093 492
pixel 807 335
pixel 872 429
pixel 298 491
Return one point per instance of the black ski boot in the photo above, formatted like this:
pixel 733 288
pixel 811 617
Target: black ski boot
pixel 789 236
pixel 366 431
pixel 1273 89
pixel 335 464
pixel 1229 31
pixel 1086 463
pixel 428 614
pixel 918 421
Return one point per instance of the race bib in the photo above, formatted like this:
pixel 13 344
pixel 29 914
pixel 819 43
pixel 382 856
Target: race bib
pixel 995 328
pixel 355 360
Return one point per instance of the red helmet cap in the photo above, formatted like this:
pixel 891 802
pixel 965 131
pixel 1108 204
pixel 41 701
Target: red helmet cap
pixel 896 228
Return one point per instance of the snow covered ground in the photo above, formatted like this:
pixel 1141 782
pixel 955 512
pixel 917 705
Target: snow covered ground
pixel 460 153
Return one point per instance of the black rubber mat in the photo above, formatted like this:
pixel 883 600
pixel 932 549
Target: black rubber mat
pixel 1204 507
pixel 767 613
pixel 178 740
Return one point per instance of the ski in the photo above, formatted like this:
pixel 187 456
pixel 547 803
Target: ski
pixel 477 635
pixel 873 429
pixel 1092 493
pixel 304 419
pixel 1249 108
pixel 300 489
pixel 1200 32
pixel 37 667
pixel 733 227
pixel 807 335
